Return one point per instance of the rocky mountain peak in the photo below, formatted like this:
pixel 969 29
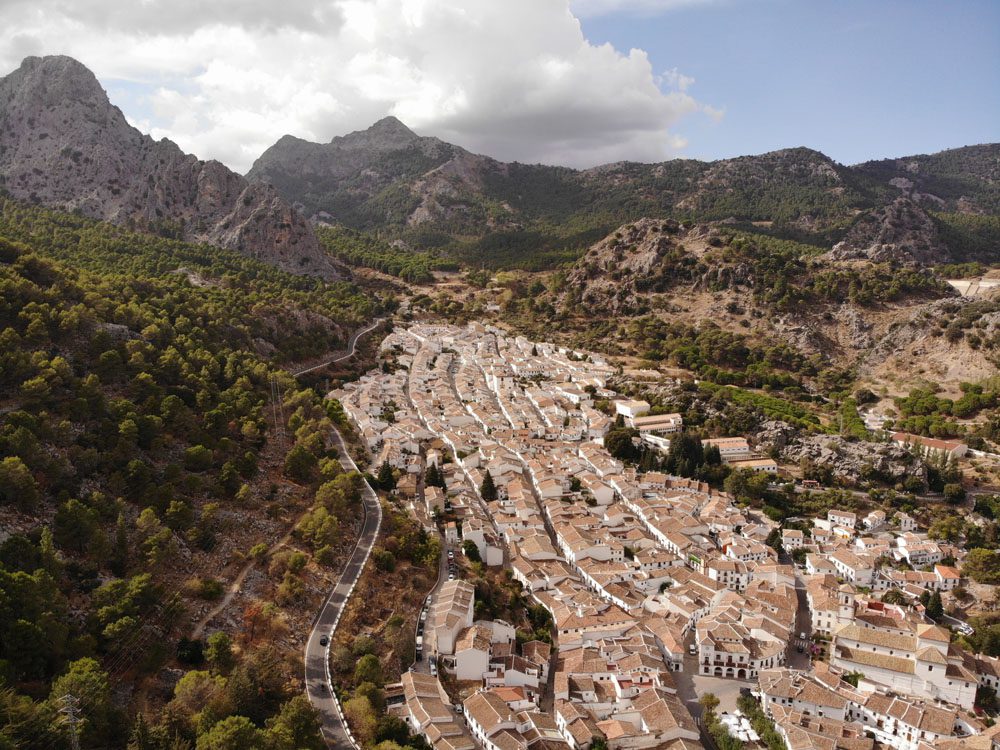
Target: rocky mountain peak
pixel 391 126
pixel 64 144
pixel 388 134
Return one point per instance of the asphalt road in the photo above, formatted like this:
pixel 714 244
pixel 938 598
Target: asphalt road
pixel 317 657
pixel 351 344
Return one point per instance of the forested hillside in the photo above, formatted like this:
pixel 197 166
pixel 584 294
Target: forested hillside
pixel 147 439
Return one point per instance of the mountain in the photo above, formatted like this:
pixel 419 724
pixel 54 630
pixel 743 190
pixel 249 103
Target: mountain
pixel 432 194
pixel 64 145
pixel 385 173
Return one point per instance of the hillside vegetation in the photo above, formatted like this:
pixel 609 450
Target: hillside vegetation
pixel 141 444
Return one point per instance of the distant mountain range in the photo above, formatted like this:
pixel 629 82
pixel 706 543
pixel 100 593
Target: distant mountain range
pixel 63 144
pixel 389 178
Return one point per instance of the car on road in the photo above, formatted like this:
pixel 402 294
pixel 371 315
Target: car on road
pixel 423 615
pixel 451 576
pixel 324 641
pixel 800 649
pixel 434 667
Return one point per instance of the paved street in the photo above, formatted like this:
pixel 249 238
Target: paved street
pixel 317 656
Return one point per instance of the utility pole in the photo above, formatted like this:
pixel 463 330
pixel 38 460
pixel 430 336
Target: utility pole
pixel 70 710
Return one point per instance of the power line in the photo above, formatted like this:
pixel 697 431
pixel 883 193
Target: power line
pixel 70 710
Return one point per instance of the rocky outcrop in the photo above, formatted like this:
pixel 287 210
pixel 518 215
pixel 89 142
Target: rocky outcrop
pixel 63 144
pixel 848 461
pixel 900 232
pixel 343 180
pixel 639 258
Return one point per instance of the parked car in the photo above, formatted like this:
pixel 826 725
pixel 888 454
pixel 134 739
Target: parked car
pixel 692 649
pixel 434 668
pixel 451 576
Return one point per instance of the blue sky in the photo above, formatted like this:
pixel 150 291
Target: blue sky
pixel 856 79
pixel 526 80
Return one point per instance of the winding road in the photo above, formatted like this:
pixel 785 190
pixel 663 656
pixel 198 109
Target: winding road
pixel 319 688
pixel 317 656
pixel 351 345
pixel 237 583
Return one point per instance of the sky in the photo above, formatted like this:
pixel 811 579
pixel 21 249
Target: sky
pixel 574 82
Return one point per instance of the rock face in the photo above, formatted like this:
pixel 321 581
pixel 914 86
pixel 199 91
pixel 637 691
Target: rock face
pixel 389 177
pixel 386 173
pixel 644 256
pixel 848 461
pixel 63 144
pixel 900 232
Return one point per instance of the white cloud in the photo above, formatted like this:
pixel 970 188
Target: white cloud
pixel 513 79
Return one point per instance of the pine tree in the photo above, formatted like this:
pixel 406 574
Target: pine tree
pixel 386 479
pixel 141 738
pixel 935 609
pixel 51 561
pixel 488 489
pixel 432 477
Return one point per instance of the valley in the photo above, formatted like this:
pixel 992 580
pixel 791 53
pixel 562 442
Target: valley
pixel 390 445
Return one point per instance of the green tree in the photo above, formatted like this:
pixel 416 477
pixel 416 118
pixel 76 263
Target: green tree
pixel 233 733
pixel 894 596
pixel 368 669
pixel 386 479
pixel 488 489
pixel 709 702
pixel 74 525
pixel 471 551
pixel 982 566
pixel 954 493
pixel 300 463
pixel 619 444
pixel 17 485
pixel 935 609
pixel 85 680
pixel 361 716
pixel 296 727
pixel 219 652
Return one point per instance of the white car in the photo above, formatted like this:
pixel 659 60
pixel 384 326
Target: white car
pixel 434 668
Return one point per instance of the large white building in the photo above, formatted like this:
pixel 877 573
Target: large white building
pixel 923 664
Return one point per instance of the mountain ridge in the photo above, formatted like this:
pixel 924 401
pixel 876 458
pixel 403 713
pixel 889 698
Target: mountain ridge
pixel 425 185
pixel 65 145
